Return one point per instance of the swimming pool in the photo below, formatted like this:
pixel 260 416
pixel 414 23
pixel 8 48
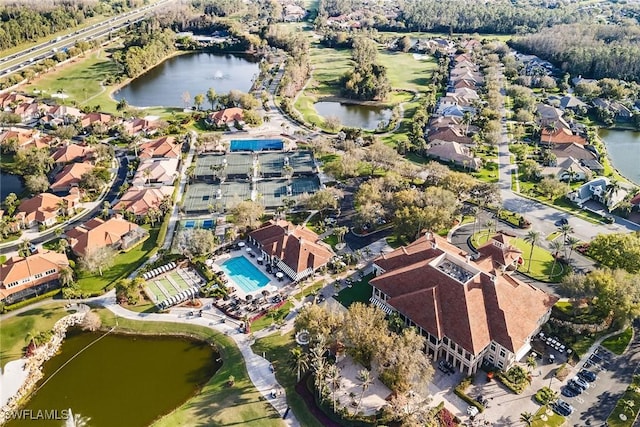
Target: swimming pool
pixel 256 144
pixel 244 274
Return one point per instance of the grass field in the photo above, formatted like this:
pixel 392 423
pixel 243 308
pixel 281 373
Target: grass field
pixel 274 316
pixel 618 343
pixel 124 264
pixel 631 394
pixel 14 330
pixel 406 72
pixel 360 291
pixel 80 80
pixel 553 420
pixel 541 259
pixel 276 349
pixel 217 403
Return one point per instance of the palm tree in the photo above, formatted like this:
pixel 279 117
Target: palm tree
pixel 474 211
pixel 31 337
pixel 565 229
pixel 24 247
pixel 571 175
pixel 491 226
pixel 340 233
pixel 551 129
pixel 365 381
pixel 571 243
pixel 533 238
pixel 527 418
pixel 298 361
pixel 531 363
pixel 319 365
pixel 65 275
pixel 335 379
pixel 466 120
pixel 612 189
pixel 211 96
pixel 147 175
pixel 555 247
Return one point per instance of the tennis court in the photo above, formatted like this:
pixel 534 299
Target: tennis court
pixel 256 144
pixel 214 197
pixel 211 167
pixel 275 191
pixel 166 285
pixel 156 294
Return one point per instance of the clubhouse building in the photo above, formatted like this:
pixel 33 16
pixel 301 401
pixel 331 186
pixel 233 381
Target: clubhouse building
pixel 469 308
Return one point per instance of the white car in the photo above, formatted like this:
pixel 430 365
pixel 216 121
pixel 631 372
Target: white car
pixel 472 410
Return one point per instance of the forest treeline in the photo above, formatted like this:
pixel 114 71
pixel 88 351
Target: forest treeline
pixel 594 51
pixel 22 21
pixel 147 46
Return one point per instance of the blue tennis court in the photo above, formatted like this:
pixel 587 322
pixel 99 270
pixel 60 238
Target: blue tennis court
pixel 256 144
pixel 207 224
pixel 189 224
pixel 244 274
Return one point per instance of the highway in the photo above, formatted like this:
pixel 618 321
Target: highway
pixel 17 61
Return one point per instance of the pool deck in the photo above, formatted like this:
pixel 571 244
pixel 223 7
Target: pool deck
pixel 273 286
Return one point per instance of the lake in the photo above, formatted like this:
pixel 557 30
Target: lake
pixel 10 183
pixel 195 73
pixel 623 148
pixel 353 115
pixel 123 380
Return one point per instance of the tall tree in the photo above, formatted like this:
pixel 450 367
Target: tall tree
pixel 298 361
pixel 533 238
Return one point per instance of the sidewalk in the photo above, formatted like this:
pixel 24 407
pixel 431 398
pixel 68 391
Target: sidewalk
pixel 258 368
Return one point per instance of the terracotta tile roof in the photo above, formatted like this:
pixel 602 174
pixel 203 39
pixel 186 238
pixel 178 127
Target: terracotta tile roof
pixel 25 268
pixel 91 118
pixel 455 134
pixel 60 111
pixel 499 251
pixel 486 306
pixel 71 153
pixel 42 207
pixel 161 147
pixel 136 125
pixel 161 170
pixel 97 233
pixel 297 246
pixel 560 136
pixel 70 175
pixel 138 200
pixel 226 116
pixel 6 99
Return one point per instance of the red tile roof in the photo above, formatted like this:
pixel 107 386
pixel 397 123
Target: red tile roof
pixel 161 147
pixel 560 136
pixel 297 246
pixel 25 268
pixel 488 306
pixel 226 116
pixel 97 233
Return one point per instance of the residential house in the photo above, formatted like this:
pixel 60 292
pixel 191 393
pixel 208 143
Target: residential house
pixel 296 250
pixel 470 309
pixel 549 116
pixel 12 99
pixel 70 176
pixel 156 172
pixel 165 147
pixel 226 117
pixel 135 126
pixel 558 137
pixel 599 190
pixel 451 151
pixel 575 150
pixel 67 114
pixel 72 153
pixel 570 102
pixel 24 138
pixel 24 277
pixel 293 13
pixel 466 93
pixel 138 200
pixel 93 118
pixel 567 169
pixel 455 134
pixel 44 209
pixel 619 110
pixel 116 232
pixel 28 111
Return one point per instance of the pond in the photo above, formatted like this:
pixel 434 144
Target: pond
pixel 10 183
pixel 351 115
pixel 623 148
pixel 165 84
pixel 122 379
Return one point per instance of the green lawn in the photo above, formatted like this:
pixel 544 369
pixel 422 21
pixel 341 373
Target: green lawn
pixel 276 349
pixel 541 260
pixel 618 343
pixel 124 264
pixel 406 72
pixel 633 394
pixel 217 403
pixel 553 236
pixel 358 292
pixel 553 420
pixel 272 317
pixel 308 290
pixel 80 80
pixel 395 242
pixel 14 330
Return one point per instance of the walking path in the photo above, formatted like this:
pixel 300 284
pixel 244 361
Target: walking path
pixel 259 368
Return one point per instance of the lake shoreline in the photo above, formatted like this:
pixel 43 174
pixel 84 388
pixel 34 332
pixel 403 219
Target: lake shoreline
pixel 609 144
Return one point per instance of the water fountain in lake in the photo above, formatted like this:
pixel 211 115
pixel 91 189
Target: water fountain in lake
pixel 218 75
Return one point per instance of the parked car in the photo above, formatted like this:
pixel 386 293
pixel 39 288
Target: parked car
pixel 582 383
pixel 472 411
pixel 563 408
pixel 570 391
pixel 587 375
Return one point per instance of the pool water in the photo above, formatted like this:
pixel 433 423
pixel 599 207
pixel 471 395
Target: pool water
pixel 256 144
pixel 244 274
